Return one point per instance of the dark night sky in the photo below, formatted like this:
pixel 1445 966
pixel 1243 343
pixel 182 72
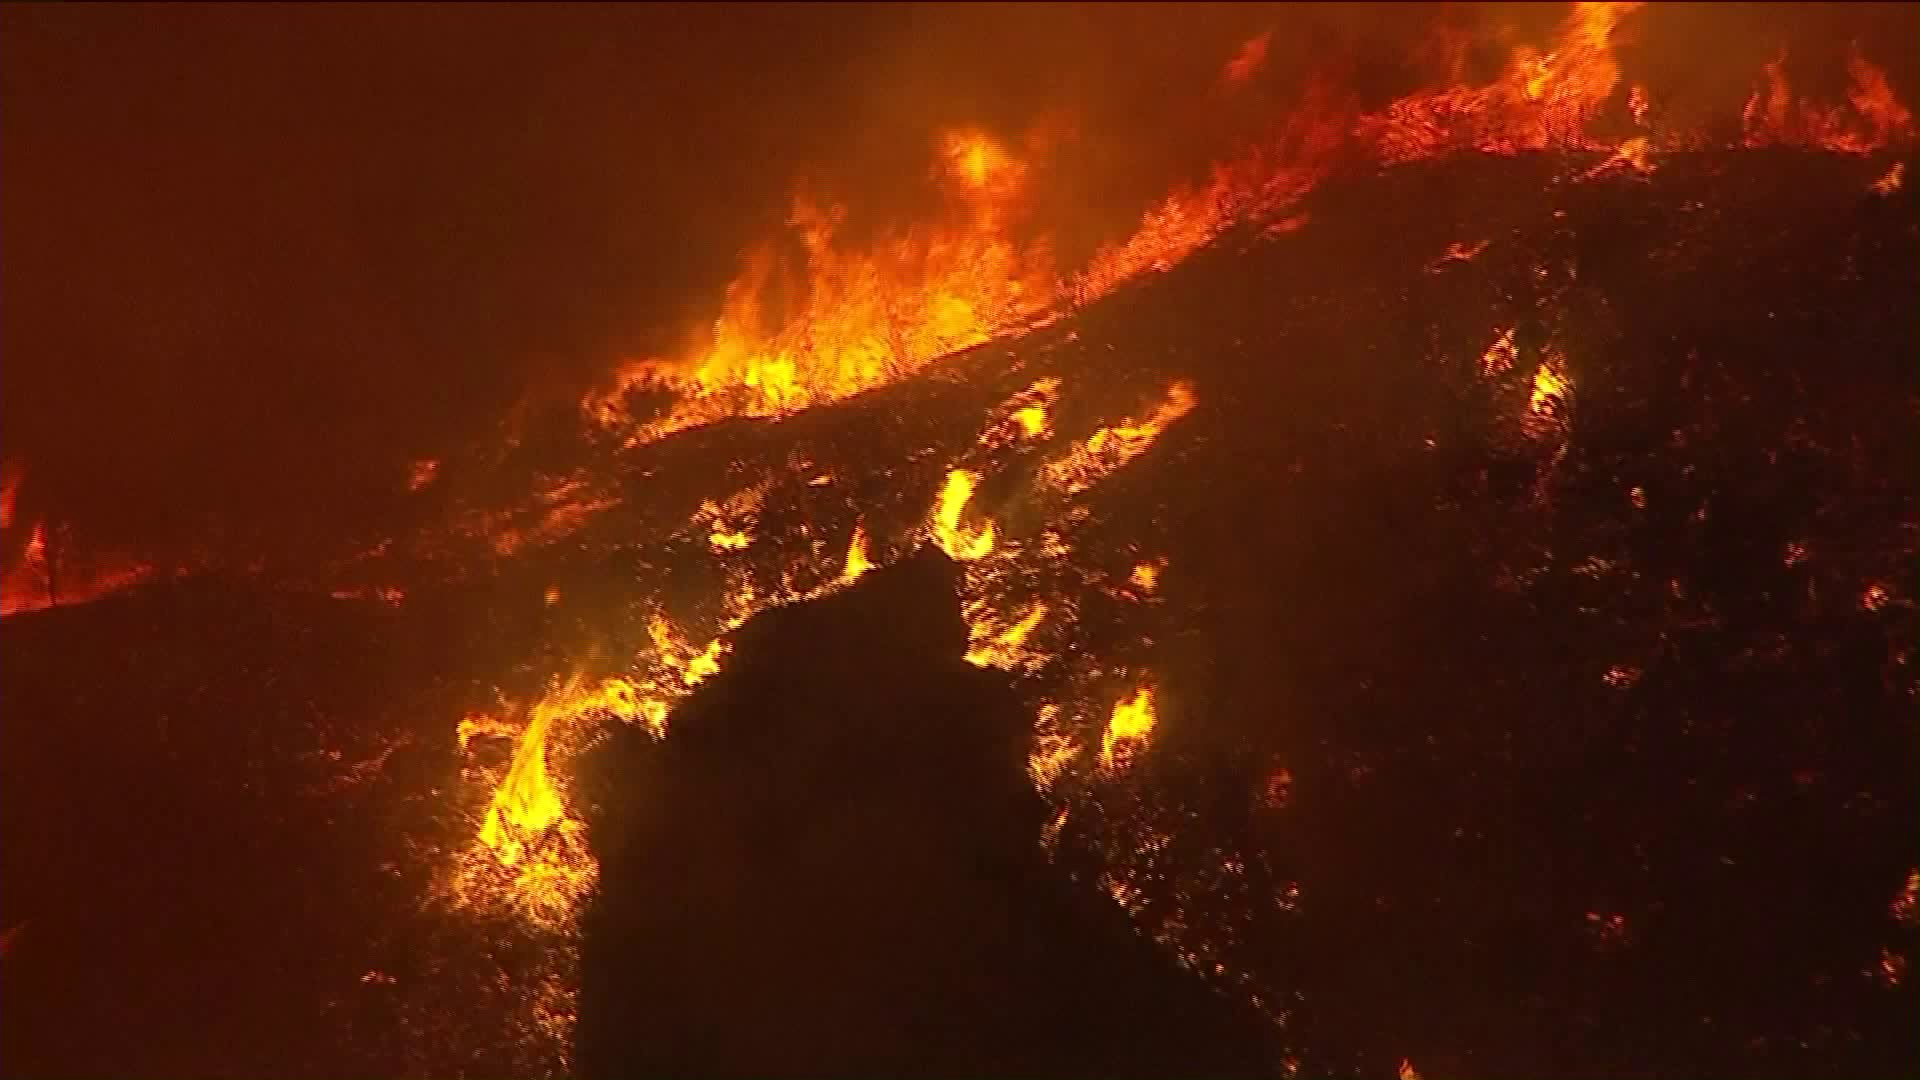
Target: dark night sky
pixel 255 258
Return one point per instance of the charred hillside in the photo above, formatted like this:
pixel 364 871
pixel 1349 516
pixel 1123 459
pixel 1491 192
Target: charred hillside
pixel 1521 559
pixel 855 889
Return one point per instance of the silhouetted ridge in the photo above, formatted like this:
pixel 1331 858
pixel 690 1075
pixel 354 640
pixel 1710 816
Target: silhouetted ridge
pixel 831 868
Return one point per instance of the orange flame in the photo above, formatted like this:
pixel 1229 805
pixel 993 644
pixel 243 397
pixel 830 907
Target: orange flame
pixel 1871 120
pixel 868 318
pixel 1111 447
pixel 865 318
pixel 1542 101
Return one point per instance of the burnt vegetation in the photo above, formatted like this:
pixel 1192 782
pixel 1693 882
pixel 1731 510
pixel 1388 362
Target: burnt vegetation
pixel 1509 732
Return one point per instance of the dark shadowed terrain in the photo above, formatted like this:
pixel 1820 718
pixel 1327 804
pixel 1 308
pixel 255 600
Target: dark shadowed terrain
pixel 833 869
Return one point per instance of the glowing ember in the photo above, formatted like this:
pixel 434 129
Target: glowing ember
pixel 1109 448
pixel 1500 356
pixel 1906 905
pixel 1147 575
pixel 421 473
pixel 1001 647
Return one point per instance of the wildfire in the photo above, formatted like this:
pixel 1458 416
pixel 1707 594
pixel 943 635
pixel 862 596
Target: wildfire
pixel 1001 646
pixel 982 165
pixel 857 561
pixel 1127 731
pixel 866 318
pixel 42 567
pixel 959 542
pixel 1871 120
pixel 527 831
pixel 1109 448
pixel 1147 575
pixel 1542 101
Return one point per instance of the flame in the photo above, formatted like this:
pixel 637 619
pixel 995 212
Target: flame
pixel 1889 181
pixel 960 543
pixel 1147 575
pixel 1107 449
pixel 1032 420
pixel 1906 903
pixel 1541 102
pixel 857 561
pixel 867 317
pixel 1127 732
pixel 1635 154
pixel 48 572
pixel 981 165
pixel 846 320
pixel 1550 389
pixel 1001 647
pixel 1500 356
pixel 1872 119
pixel 528 832
pixel 1457 252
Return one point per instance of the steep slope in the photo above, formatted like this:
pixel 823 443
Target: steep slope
pixel 1475 628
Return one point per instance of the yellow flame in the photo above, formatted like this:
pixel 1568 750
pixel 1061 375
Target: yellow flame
pixel 705 664
pixel 1549 389
pixel 1107 449
pixel 1132 723
pixel 527 804
pixel 1147 575
pixel 960 543
pixel 979 162
pixel 1032 420
pixel 1500 356
pixel 1635 154
pixel 729 539
pixel 1001 647
pixel 857 561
